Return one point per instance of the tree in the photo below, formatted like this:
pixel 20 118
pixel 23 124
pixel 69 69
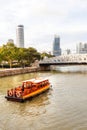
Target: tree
pixel 32 55
pixel 26 56
pixel 44 54
pixel 21 56
pixel 9 53
pixel 1 58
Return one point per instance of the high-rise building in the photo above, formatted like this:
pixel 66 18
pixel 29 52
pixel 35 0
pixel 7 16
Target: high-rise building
pixel 81 48
pixel 56 46
pixel 20 36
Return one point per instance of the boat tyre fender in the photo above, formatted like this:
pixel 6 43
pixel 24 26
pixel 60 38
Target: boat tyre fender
pixel 18 94
pixel 10 93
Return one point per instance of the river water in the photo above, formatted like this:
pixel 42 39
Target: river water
pixel 63 107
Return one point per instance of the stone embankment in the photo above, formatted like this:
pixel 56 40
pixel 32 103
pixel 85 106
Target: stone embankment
pixel 16 71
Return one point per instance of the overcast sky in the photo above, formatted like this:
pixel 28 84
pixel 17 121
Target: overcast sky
pixel 42 19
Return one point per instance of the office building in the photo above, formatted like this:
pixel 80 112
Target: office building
pixel 10 41
pixel 20 36
pixel 67 52
pixel 56 46
pixel 81 48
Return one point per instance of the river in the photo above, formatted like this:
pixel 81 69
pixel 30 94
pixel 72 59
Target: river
pixel 63 107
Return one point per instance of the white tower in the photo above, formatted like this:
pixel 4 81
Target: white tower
pixel 20 36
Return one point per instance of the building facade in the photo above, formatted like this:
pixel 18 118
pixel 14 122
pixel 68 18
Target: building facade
pixel 20 36
pixel 10 41
pixel 67 52
pixel 56 46
pixel 81 48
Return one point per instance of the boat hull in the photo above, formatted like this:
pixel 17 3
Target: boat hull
pixel 14 99
pixel 28 96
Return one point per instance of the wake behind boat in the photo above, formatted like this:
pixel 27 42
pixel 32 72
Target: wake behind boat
pixel 28 89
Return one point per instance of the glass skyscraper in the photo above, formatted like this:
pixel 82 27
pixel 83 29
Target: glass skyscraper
pixel 20 36
pixel 56 46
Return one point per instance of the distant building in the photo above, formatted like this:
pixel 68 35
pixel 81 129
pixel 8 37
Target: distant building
pixel 81 48
pixel 67 51
pixel 56 46
pixel 10 41
pixel 20 36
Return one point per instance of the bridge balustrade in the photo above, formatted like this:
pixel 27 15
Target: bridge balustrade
pixel 77 58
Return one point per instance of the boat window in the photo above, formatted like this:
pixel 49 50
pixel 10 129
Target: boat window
pixel 38 85
pixel 29 85
pixel 45 82
pixel 24 85
pixel 42 83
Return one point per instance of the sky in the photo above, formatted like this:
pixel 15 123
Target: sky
pixel 42 20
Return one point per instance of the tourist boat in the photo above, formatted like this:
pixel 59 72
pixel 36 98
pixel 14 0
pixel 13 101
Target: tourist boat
pixel 28 89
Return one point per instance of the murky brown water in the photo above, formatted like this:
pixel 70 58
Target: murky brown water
pixel 64 107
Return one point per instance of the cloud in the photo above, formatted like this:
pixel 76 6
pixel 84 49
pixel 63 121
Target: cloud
pixel 42 19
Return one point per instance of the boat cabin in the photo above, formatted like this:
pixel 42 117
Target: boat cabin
pixel 38 83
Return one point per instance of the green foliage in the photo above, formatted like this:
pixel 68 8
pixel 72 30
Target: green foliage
pixel 1 58
pixel 32 55
pixel 18 56
pixel 44 54
pixel 8 52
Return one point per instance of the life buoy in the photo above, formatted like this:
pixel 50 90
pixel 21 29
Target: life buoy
pixel 10 93
pixel 14 92
pixel 18 94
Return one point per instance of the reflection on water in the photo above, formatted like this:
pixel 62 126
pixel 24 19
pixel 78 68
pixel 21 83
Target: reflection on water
pixel 71 68
pixel 64 107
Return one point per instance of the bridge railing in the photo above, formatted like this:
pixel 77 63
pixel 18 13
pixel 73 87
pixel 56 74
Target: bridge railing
pixel 72 58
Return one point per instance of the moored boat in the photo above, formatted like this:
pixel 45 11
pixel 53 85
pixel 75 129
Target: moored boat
pixel 28 89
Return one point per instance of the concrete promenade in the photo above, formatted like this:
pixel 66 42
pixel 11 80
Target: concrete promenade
pixel 16 71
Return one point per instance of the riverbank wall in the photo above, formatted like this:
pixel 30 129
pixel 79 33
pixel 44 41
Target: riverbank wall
pixel 16 71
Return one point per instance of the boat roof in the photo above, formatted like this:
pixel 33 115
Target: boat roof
pixel 36 80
